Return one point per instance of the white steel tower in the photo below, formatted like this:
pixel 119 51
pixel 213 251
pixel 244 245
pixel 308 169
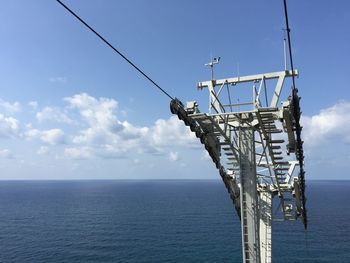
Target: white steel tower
pixel 254 141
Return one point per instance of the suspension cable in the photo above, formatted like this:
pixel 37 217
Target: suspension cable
pixel 115 50
pixel 298 128
pixel 289 41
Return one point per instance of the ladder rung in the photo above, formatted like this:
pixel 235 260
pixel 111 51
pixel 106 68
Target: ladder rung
pixel 276 153
pixel 232 163
pixel 282 169
pixel 281 177
pixel 274 131
pixel 265 121
pixel 275 147
pixel 276 141
pixel 282 163
pixel 266 116
pixel 269 126
pixel 268 109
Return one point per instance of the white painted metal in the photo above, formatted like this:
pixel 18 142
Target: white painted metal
pixel 265 213
pixel 253 78
pixel 249 149
pixel 249 197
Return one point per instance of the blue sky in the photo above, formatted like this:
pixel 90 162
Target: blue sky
pixel 71 109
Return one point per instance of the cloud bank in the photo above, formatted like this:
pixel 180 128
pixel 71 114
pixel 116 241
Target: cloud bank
pixel 9 126
pixel 329 125
pixel 88 127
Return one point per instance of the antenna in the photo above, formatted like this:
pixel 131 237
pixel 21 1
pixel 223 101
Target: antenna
pixel 211 64
pixel 284 48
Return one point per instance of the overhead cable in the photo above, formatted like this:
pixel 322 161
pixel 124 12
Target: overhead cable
pixel 289 41
pixel 116 50
pixel 298 128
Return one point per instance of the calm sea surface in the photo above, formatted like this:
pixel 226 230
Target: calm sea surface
pixel 157 221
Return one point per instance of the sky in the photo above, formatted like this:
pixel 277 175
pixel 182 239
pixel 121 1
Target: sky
pixel 70 108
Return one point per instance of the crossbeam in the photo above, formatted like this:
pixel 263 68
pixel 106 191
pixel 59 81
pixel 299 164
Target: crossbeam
pixel 280 76
pixel 251 78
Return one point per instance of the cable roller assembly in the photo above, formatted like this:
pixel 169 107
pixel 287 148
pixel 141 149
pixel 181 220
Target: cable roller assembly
pixel 210 142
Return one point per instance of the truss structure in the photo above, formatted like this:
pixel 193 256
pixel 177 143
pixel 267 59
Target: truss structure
pixel 255 144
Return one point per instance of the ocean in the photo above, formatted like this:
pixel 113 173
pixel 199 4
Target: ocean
pixel 157 221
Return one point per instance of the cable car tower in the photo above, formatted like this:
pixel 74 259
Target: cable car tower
pixel 254 139
pixel 257 150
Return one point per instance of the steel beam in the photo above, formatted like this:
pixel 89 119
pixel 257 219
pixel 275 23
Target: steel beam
pixel 265 209
pixel 236 80
pixel 249 197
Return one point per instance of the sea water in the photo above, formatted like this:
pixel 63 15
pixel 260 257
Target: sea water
pixel 157 221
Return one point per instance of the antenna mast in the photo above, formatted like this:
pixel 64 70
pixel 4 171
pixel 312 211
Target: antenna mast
pixel 284 49
pixel 211 64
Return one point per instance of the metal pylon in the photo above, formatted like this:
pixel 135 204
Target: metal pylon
pixel 254 145
pixel 249 197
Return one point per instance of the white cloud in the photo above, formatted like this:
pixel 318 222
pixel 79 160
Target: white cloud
pixel 9 126
pixel 43 150
pixel 172 132
pixel 331 124
pixel 52 136
pixel 173 156
pixel 32 134
pixel 97 113
pixel 33 104
pixel 105 134
pixel 106 151
pixel 80 153
pixel 102 134
pixel 10 108
pixel 132 132
pixel 5 153
pixel 109 151
pixel 52 114
pixel 110 138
